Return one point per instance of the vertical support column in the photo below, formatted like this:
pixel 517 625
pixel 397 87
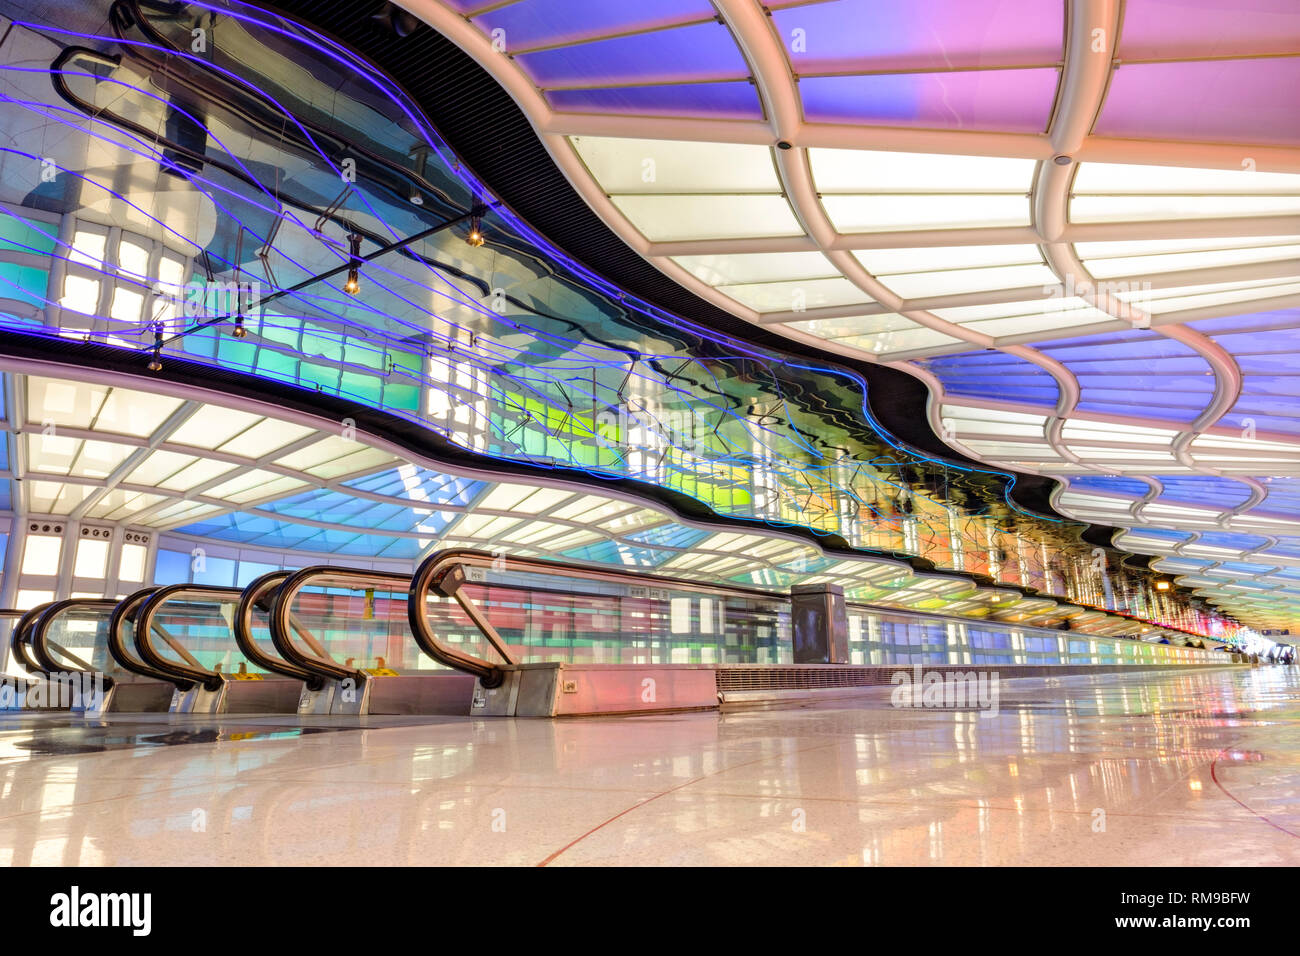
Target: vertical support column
pixel 820 624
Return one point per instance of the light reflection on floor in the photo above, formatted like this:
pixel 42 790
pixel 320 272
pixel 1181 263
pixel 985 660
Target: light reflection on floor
pixel 1189 768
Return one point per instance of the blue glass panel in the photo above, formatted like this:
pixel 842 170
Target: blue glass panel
pixel 669 536
pixel 1108 483
pixel 535 23
pixel 215 571
pixel 24 284
pixel 250 570
pixel 994 375
pixel 1203 489
pixel 421 485
pixel 1243 542
pixel 705 51
pixel 172 567
pixel 732 99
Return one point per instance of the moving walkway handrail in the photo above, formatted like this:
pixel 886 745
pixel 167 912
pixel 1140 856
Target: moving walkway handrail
pixel 186 675
pixel 40 632
pixel 283 620
pixel 442 573
pixel 18 645
pixel 261 594
pixel 127 611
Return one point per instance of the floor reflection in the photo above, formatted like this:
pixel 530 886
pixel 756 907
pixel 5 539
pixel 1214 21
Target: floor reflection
pixel 1193 768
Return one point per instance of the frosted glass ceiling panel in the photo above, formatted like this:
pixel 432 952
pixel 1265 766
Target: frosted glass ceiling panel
pixel 1146 265
pixel 854 325
pixel 1182 29
pixel 554 22
pixel 1124 208
pixel 891 212
pixel 255 484
pixel 350 464
pixel 726 100
pixel 1039 322
pixel 1121 179
pixel 955 281
pixel 265 437
pixel 150 472
pixel 886 343
pixel 669 166
pixel 195 474
pixel 937 34
pixel 1195 297
pixel 704 51
pixel 1218 101
pixel 797 295
pixel 667 218
pixel 211 426
pixel 1168 261
pixel 757 267
pixel 82 405
pixel 318 453
pixel 883 262
pixel 1037 307
pixel 1152 247
pixel 1083 430
pixel 1018 101
pixel 859 171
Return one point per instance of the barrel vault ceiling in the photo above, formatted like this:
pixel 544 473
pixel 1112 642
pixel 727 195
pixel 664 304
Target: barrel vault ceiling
pixel 1077 222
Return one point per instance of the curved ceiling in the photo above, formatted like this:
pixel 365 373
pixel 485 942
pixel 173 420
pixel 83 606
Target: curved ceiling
pixel 1078 223
pixel 165 170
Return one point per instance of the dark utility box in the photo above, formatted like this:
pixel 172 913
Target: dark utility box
pixel 820 622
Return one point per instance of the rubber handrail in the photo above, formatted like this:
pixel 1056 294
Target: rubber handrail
pixel 39 637
pixel 282 624
pixel 434 570
pixel 17 642
pixel 261 594
pixel 184 676
pixel 126 613
pixel 433 573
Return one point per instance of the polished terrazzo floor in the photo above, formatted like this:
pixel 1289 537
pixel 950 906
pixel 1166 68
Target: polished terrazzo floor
pixel 1195 768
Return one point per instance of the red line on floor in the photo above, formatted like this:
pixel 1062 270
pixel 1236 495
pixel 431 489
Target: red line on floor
pixel 1219 783
pixel 574 842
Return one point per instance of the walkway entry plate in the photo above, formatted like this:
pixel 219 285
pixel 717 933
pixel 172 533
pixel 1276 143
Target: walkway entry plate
pixel 555 689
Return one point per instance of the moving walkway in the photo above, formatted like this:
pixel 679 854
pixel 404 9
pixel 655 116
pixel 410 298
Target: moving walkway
pixel 345 633
pixel 160 649
pixel 471 633
pixel 54 644
pixel 184 635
